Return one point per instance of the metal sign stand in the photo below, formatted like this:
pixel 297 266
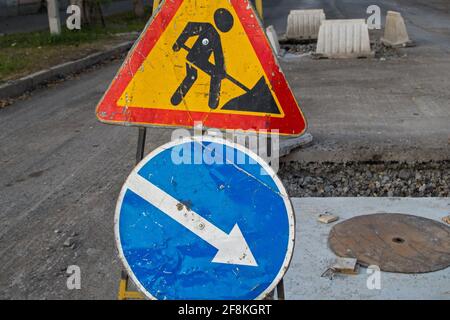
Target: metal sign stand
pixel 280 290
pixel 124 293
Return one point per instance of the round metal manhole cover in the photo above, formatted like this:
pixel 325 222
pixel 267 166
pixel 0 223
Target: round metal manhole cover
pixel 393 242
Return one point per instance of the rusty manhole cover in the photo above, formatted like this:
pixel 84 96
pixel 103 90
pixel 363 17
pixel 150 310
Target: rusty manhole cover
pixel 394 242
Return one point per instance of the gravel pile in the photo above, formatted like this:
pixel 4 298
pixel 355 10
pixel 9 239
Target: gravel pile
pixel 383 52
pixel 367 179
pixel 300 48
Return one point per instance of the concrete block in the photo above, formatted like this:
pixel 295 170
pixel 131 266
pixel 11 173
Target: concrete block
pixel 273 39
pixel 304 24
pixel 344 39
pixel 327 218
pixel 395 33
pixel 345 266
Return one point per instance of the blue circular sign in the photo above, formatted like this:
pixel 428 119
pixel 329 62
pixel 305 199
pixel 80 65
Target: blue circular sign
pixel 202 218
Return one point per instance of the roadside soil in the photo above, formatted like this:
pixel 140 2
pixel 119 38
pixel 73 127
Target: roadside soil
pixel 30 60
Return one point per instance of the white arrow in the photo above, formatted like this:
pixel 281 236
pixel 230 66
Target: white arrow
pixel 232 248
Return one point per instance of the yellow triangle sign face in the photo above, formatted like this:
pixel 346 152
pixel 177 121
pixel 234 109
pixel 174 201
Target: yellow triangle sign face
pixel 167 69
pixel 203 60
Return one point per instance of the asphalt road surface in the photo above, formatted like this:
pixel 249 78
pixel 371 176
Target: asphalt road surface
pixel 393 109
pixel 428 21
pixel 61 170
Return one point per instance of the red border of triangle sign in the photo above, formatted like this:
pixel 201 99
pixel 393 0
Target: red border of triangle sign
pixel 108 111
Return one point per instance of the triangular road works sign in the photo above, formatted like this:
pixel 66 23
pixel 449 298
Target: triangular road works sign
pixel 205 61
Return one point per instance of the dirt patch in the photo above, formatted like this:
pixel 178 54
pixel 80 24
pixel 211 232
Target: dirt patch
pixel 24 53
pixel 19 62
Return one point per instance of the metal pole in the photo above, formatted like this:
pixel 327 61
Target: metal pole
pixel 280 290
pixel 123 285
pixel 53 17
pixel 141 144
pixel 280 285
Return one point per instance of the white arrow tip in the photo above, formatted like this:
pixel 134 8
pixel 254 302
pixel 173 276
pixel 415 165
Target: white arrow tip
pixel 235 250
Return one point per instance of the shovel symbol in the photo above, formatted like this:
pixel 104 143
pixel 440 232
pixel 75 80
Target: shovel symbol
pixel 256 99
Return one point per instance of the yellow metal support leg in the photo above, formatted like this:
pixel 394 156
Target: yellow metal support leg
pixel 155 4
pixel 123 293
pixel 259 8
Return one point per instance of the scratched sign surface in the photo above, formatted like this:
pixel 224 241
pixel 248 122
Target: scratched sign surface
pixel 203 61
pixel 216 225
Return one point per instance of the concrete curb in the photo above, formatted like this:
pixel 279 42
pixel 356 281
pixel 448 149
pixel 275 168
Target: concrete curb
pixel 17 87
pixel 287 145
